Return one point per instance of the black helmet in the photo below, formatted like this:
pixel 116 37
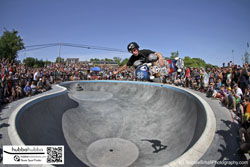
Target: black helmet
pixel 132 45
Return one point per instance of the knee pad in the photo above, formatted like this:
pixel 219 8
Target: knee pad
pixel 152 57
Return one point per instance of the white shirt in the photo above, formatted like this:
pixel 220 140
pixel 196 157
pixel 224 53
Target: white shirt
pixel 239 92
pixel 36 75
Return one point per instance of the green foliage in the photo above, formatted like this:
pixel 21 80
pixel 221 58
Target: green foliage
pixel 194 62
pixel 32 62
pixel 187 61
pixel 59 60
pixel 10 44
pixel 124 62
pixel 36 66
pixel 117 60
pixel 40 63
pixel 174 54
pixel 95 59
pixel 47 62
pixel 29 61
pixel 108 60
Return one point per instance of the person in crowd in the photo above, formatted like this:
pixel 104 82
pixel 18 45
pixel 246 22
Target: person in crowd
pixel 19 91
pixel 238 91
pixel 36 76
pixel 34 88
pixel 40 86
pixel 46 84
pixel 244 78
pixel 244 140
pixel 27 89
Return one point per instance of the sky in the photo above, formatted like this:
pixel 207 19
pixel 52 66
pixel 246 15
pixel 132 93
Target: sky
pixel 205 29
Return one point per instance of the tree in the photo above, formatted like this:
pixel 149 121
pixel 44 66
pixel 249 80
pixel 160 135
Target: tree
pixel 124 62
pixel 117 60
pixel 108 60
pixel 29 61
pixel 95 59
pixel 198 62
pixel 47 62
pixel 194 62
pixel 32 62
pixel 187 61
pixel 174 55
pixel 39 63
pixel 10 44
pixel 59 60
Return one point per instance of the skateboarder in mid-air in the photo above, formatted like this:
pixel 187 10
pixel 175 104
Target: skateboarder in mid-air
pixel 156 145
pixel 141 56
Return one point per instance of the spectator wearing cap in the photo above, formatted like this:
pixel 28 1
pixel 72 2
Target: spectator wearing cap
pixel 40 86
pixel 228 98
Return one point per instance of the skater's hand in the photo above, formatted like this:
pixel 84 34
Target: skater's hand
pixel 161 61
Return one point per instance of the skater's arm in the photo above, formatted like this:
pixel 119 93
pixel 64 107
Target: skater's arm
pixel 121 69
pixel 160 58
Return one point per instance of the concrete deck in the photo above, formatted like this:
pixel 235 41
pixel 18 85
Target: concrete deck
pixel 118 124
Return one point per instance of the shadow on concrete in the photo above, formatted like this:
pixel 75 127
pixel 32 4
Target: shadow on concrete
pixel 4 125
pixel 5 106
pixel 45 127
pixel 230 146
pixel 156 144
pixel 1 119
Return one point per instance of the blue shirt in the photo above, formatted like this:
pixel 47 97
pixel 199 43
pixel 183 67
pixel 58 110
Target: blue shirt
pixel 27 88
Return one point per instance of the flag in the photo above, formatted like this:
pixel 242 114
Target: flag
pixel 247 44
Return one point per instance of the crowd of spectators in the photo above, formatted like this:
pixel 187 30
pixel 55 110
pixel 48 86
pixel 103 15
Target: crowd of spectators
pixel 229 84
pixel 18 81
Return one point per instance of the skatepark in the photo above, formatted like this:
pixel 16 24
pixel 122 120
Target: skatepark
pixel 115 123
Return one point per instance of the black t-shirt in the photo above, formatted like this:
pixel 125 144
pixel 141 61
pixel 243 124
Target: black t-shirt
pixel 143 55
pixel 224 77
pixel 244 76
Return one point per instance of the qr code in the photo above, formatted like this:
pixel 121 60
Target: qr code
pixel 54 154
